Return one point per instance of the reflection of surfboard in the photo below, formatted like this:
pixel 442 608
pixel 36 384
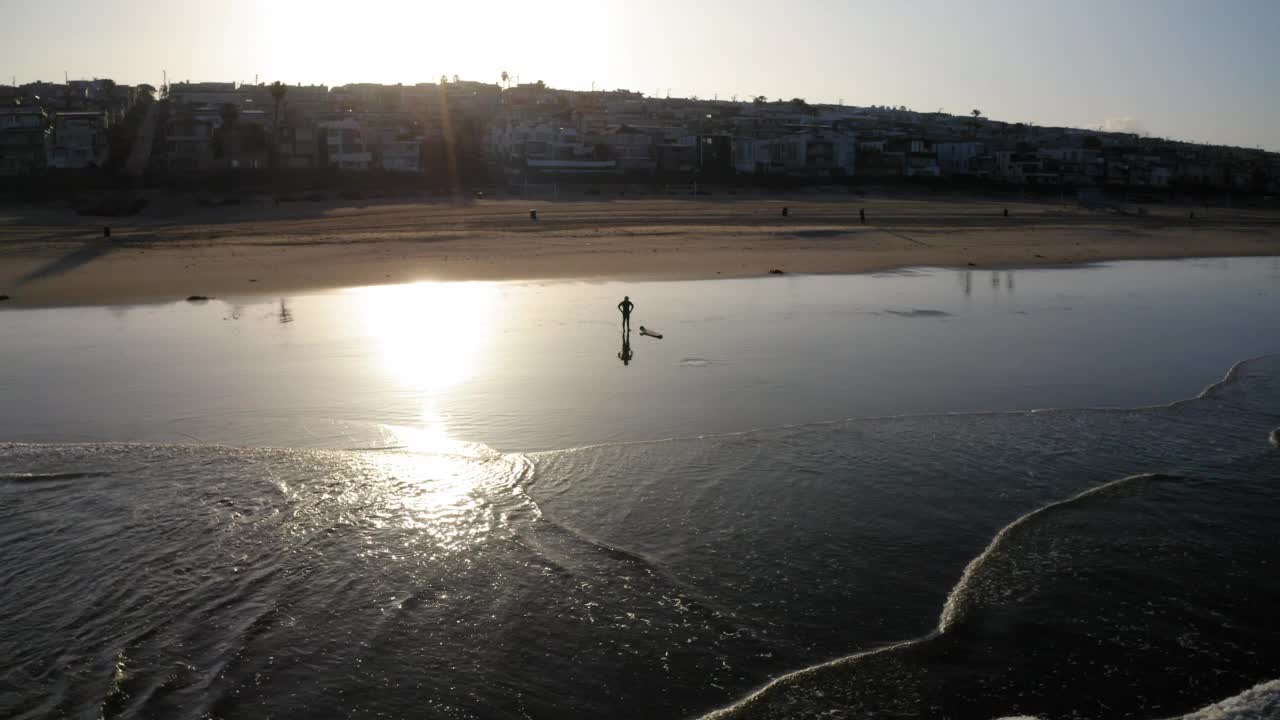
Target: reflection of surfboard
pixel 650 333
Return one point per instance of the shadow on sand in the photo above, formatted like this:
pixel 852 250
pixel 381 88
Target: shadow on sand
pixel 80 256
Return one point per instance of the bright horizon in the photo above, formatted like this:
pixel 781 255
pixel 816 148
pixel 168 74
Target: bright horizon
pixel 1176 69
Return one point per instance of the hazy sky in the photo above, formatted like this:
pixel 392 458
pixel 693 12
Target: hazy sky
pixel 1194 70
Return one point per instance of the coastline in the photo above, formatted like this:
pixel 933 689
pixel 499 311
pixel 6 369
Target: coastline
pixel 52 257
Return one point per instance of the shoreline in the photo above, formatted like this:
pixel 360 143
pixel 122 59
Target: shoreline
pixel 55 258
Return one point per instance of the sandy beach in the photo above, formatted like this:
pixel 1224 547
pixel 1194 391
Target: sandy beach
pixel 51 256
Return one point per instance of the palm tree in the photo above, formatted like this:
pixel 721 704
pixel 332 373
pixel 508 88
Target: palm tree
pixel 976 113
pixel 444 79
pixel 455 78
pixel 229 113
pixel 506 79
pixel 278 91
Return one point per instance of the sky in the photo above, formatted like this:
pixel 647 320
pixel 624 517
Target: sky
pixel 1189 70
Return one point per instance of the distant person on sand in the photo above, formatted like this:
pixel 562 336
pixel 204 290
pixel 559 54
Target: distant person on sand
pixel 625 307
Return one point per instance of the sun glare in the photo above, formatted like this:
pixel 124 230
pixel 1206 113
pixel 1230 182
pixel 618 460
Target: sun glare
pixel 411 42
pixel 430 336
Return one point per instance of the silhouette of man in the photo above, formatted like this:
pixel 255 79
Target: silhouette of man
pixel 626 354
pixel 625 307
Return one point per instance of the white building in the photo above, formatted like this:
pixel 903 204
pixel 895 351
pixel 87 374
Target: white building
pixel 79 140
pixel 345 145
pixel 813 152
pixel 402 155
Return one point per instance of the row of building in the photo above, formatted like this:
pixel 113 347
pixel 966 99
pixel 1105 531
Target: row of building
pixel 61 126
pixel 531 131
pixel 358 127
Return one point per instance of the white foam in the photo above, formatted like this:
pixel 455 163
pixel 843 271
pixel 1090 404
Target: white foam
pixel 1260 702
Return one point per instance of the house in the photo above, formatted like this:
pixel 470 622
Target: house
pixel 79 140
pixel 1074 166
pixel 205 93
pixel 344 144
pixel 818 151
pixel 297 145
pixel 897 156
pixel 959 158
pixel 1023 167
pixel 753 156
pixel 24 139
pixel 189 142
pixel 630 147
pixel 402 155
pixel 804 151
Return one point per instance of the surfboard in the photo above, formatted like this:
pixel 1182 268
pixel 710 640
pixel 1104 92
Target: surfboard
pixel 650 333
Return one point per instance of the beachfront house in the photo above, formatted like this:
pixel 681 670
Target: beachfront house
pixel 344 145
pixel 959 158
pixel 24 139
pixel 189 142
pixel 79 140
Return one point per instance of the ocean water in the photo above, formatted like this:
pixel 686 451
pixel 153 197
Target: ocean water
pixel 990 549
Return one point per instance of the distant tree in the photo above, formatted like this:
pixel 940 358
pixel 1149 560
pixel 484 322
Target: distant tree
pixel 278 91
pixel 254 138
pixel 759 100
pixel 229 113
pixel 540 85
pixel 506 79
pixel 222 139
pixel 801 106
pixel 147 91
pixel 444 79
pixel 455 79
pixel 976 113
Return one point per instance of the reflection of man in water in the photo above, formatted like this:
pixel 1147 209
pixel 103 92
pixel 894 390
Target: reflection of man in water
pixel 626 354
pixel 626 306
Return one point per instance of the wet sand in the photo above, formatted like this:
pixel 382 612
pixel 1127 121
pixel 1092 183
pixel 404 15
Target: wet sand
pixel 50 256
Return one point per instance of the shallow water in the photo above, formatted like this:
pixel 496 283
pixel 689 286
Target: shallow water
pixel 536 367
pixel 1059 563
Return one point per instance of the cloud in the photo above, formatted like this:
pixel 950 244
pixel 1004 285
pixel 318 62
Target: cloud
pixel 1123 123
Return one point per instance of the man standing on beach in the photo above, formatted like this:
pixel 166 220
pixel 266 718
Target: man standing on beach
pixel 625 306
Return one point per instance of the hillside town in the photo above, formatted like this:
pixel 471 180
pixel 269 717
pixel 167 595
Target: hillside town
pixel 522 134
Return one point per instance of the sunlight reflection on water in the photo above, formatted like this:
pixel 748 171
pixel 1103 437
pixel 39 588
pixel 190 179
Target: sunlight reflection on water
pixel 428 338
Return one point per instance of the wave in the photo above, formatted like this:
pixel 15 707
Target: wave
pixel 1260 702
pixel 25 478
pixel 958 601
pixel 1257 703
pixel 1008 625
pixel 951 612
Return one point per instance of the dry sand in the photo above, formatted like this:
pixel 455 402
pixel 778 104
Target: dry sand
pixel 54 257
